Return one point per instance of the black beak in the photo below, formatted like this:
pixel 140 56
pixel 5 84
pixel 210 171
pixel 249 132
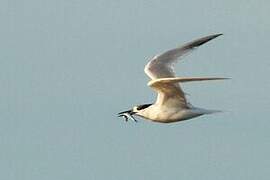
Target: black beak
pixel 129 112
pixel 127 115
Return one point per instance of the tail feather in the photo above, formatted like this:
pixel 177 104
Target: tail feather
pixel 208 111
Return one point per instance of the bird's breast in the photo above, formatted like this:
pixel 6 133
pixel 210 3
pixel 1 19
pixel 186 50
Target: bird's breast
pixel 164 114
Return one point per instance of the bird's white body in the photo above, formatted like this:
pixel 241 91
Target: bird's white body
pixel 171 104
pixel 166 114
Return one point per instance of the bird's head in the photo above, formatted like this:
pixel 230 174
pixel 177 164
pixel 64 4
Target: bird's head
pixel 139 108
pixel 136 109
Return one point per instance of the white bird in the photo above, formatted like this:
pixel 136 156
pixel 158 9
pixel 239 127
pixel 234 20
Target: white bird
pixel 171 104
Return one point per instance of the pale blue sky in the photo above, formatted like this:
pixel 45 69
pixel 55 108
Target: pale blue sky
pixel 67 67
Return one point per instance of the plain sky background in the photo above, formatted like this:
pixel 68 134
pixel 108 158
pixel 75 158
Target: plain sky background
pixel 68 66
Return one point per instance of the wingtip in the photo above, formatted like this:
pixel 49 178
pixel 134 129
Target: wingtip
pixel 222 78
pixel 216 35
pixel 201 41
pixel 219 34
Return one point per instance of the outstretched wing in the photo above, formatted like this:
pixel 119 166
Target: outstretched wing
pixel 170 93
pixel 161 66
pixel 162 81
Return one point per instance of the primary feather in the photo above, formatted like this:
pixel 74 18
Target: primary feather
pixel 161 66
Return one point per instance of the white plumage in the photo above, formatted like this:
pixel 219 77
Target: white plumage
pixel 171 104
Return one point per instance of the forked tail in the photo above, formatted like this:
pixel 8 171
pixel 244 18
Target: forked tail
pixel 208 111
pixel 212 111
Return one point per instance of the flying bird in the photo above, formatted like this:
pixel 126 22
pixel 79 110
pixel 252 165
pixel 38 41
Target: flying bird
pixel 171 104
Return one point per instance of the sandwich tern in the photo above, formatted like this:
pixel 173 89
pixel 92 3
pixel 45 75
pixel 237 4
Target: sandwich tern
pixel 171 104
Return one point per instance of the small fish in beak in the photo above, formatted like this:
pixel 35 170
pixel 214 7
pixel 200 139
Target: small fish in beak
pixel 127 115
